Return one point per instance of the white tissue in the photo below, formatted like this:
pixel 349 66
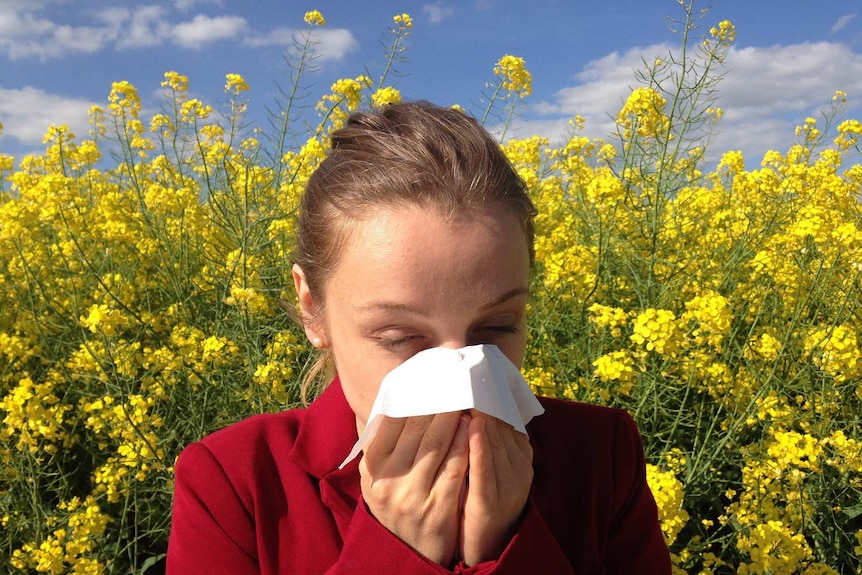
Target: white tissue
pixel 439 380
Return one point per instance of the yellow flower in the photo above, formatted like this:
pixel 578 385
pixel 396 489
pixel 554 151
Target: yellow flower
pixel 35 414
pixel 616 366
pixel 404 21
pixel 733 161
pixel 656 330
pixel 177 82
pixel 764 346
pixel 385 96
pixel 836 352
pixel 541 381
pixel 103 319
pixel 513 75
pixel 605 188
pixel 791 449
pixel 668 493
pixel 249 299
pixel 194 109
pixel 643 114
pixel 7 163
pixel 710 316
pixel 606 316
pixel 725 32
pixel 314 18
pixel 773 547
pixel 124 99
pixel 848 133
pixel 345 97
pixel 234 83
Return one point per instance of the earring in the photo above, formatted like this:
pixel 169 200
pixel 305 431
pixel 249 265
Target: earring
pixel 316 342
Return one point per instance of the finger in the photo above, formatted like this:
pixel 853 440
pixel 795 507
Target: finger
pixel 453 468
pixel 436 441
pixel 398 445
pixel 412 444
pixel 498 453
pixel 386 438
pixel 514 444
pixel 481 455
pixel 499 449
pixel 523 449
pixel 411 436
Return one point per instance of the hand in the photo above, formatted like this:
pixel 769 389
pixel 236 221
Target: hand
pixel 412 475
pixel 499 479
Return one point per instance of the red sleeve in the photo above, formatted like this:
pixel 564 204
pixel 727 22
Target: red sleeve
pixel 533 549
pixel 371 548
pixel 635 542
pixel 211 530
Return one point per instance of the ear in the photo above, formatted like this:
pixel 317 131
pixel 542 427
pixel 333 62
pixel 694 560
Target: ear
pixel 309 309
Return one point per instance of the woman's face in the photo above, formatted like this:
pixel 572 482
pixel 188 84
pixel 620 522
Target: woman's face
pixel 408 280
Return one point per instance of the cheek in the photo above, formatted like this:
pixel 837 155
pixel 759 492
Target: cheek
pixel 515 347
pixel 515 350
pixel 360 374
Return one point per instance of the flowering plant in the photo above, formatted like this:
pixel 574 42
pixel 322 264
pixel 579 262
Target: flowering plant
pixel 138 309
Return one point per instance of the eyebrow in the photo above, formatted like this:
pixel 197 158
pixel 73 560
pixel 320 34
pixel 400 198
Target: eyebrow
pixel 409 309
pixel 512 293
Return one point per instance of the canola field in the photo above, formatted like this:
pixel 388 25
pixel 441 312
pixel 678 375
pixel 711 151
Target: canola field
pixel 144 268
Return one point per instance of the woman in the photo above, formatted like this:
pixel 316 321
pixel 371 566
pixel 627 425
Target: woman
pixel 415 232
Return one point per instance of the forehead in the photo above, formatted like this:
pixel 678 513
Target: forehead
pixel 419 250
pixel 412 230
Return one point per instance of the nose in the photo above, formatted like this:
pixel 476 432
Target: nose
pixel 454 342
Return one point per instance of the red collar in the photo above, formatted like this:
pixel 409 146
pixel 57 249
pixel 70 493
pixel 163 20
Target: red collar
pixel 327 433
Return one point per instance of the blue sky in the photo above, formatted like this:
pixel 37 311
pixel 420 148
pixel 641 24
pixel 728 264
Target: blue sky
pixel 59 57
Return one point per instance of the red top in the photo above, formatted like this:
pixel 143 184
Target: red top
pixel 266 496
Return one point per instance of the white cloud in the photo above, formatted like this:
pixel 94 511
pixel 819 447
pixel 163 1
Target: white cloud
pixel 185 5
pixel 13 24
pixel 275 37
pixel 795 78
pixel 327 44
pixel 113 17
pixel 333 44
pixel 146 27
pixel 436 12
pixel 24 34
pixel 89 39
pixel 203 30
pixel 841 23
pixel 753 137
pixel 26 114
pixel 765 92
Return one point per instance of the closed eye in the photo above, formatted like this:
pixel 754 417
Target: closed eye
pixel 397 342
pixel 492 333
pixel 500 328
pixel 400 342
